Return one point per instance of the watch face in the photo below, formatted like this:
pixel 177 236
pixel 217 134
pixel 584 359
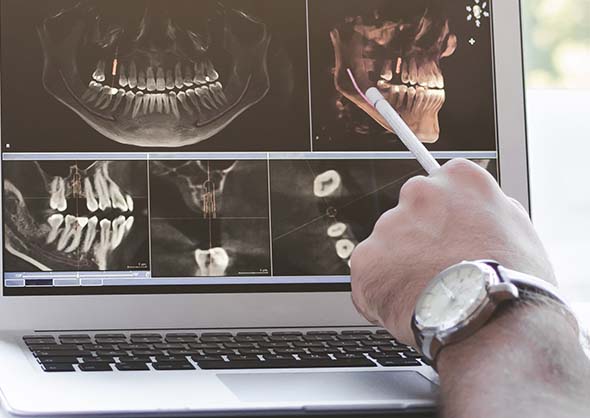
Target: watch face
pixel 453 296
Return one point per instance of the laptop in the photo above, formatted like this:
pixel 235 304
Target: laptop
pixel 184 183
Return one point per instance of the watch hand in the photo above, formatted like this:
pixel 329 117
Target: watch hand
pixel 450 294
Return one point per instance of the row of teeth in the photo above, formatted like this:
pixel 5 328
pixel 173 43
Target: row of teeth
pixel 102 195
pixel 413 97
pixel 194 100
pixel 69 238
pixel 158 79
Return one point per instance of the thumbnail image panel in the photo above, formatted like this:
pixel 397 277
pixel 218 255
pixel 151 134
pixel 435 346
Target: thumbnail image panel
pixel 432 61
pixel 322 209
pixel 104 75
pixel 209 218
pixel 75 216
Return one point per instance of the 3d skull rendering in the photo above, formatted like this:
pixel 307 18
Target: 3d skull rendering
pixel 154 72
pixel 74 222
pixel 398 48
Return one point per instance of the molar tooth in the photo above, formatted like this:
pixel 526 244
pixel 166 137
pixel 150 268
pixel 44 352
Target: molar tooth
pixel 327 183
pixel 105 233
pixel 212 262
pixel 132 79
pixel 122 76
pixel 98 74
pixel 129 223
pixel 57 200
pixel 160 81
pixel 118 226
pixel 145 104
pixel 102 190
pixel 103 96
pixel 188 76
pixel 54 222
pixel 169 80
pixel 217 90
pixel 182 99
pixel 118 98
pixel 193 98
pixel 337 230
pixel 199 73
pixel 90 234
pixel 178 78
pixel 211 74
pixel 151 101
pixel 129 97
pixel 68 232
pixel 91 202
pixel 141 81
pixel 77 229
pixel 166 103
pixel 92 92
pixel 110 95
pixel 151 79
pixel 200 91
pixel 173 104
pixel 129 201
pixel 117 198
pixel 137 104
pixel 208 96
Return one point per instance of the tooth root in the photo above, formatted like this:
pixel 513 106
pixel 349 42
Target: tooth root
pixel 150 99
pixel 54 222
pixel 188 76
pixel 132 79
pixel 129 97
pixel 159 102
pixel 218 94
pixel 178 78
pixel 199 68
pixel 129 201
pixel 174 105
pixel 141 81
pixel 137 104
pixel 122 76
pixel 90 234
pixel 118 232
pixel 118 99
pixel 182 99
pixel 405 73
pixel 160 80
pixel 67 233
pixel 193 98
pixel 110 95
pixel 411 96
pixel 77 231
pixel 212 262
pixel 98 74
pixel 57 200
pixel 209 97
pixel 327 183
pixel 129 223
pixel 91 202
pixel 413 72
pixel 166 103
pixel 92 92
pixel 105 233
pixel 211 75
pixel 169 80
pixel 117 198
pixel 102 190
pixel 146 104
pixel 344 248
pixel 151 79
pixel 103 97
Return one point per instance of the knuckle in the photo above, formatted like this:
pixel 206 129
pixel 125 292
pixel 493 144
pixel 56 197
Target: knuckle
pixel 415 188
pixel 385 221
pixel 460 167
pixel 470 173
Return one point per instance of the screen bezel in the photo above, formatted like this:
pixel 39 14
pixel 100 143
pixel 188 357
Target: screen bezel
pixel 284 305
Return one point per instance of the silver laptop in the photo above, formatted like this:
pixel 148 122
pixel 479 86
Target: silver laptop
pixel 184 183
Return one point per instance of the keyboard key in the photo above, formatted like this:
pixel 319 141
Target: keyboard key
pixel 321 350
pixel 145 335
pixel 218 351
pixel 397 362
pixel 95 367
pixel 110 340
pixel 53 347
pixel 40 341
pixel 79 336
pixel 203 346
pixel 308 344
pixel 318 338
pixel 199 357
pixel 279 364
pixel 289 351
pixel 98 359
pixel 250 338
pixel 331 333
pixel 356 332
pixel 358 350
pixel 168 346
pixel 246 351
pixel 181 335
pixel 134 347
pixel 109 335
pixel 216 334
pixel 132 366
pixel 58 367
pixel 353 337
pixel 94 347
pixel 215 339
pixel 163 359
pixel 147 352
pixel 173 366
pixel 313 356
pixel 186 339
pixel 133 359
pixel 111 353
pixel 62 353
pixel 286 333
pixel 184 352
pixel 143 340
pixel 57 360
pixel 273 344
pixel 342 343
pixel 286 338
pixel 238 345
pixel 38 337
pixel 235 357
pixel 252 334
pixel 348 356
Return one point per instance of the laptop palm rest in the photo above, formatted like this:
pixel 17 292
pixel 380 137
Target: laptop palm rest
pixel 310 388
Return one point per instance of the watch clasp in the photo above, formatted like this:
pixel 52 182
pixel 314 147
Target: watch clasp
pixel 501 292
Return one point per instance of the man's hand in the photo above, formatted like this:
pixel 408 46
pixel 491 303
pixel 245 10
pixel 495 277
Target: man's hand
pixel 458 213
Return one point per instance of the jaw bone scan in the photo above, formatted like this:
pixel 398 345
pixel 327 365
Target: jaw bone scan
pixel 155 72
pixel 399 49
pixel 219 226
pixel 76 215
pixel 322 209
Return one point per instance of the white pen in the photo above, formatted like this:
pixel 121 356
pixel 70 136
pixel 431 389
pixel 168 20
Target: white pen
pixel 402 130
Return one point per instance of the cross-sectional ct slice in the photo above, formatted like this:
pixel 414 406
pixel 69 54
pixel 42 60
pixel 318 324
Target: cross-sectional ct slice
pixel 161 73
pixel 316 233
pixel 75 216
pixel 209 218
pixel 418 55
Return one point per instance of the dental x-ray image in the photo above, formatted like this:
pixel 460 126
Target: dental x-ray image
pixel 111 75
pixel 209 218
pixel 322 209
pixel 75 216
pixel 434 66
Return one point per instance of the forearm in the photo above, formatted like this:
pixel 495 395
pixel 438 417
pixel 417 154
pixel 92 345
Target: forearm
pixel 526 362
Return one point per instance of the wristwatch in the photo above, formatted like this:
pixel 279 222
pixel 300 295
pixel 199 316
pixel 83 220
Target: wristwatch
pixel 462 298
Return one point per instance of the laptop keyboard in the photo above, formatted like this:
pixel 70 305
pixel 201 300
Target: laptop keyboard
pixel 219 351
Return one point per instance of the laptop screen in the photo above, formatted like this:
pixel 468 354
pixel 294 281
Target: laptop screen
pixel 157 146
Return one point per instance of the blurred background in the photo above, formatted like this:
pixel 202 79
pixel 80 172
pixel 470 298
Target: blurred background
pixel 557 75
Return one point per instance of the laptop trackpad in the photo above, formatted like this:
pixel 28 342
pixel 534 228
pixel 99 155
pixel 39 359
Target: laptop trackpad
pixel 330 386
